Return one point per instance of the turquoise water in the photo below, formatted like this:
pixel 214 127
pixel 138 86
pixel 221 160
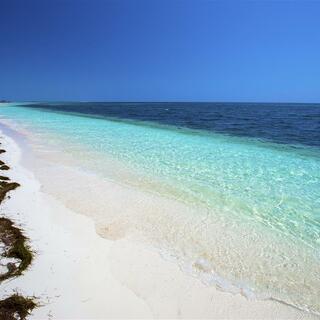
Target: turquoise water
pixel 273 187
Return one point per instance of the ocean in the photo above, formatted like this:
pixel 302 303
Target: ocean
pixel 249 169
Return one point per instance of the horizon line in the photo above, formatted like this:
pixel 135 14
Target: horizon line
pixel 158 101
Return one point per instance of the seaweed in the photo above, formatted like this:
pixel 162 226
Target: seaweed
pixel 16 307
pixel 15 247
pixel 5 187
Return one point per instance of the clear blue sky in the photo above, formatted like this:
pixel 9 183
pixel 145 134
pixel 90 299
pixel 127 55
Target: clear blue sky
pixel 131 50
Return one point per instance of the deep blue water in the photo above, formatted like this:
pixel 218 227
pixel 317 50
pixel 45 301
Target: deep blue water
pixel 297 124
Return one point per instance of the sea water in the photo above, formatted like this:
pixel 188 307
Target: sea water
pixel 252 170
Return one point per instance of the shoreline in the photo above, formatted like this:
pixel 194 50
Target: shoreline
pixel 16 256
pixel 105 277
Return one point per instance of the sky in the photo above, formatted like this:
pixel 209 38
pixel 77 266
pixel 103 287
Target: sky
pixel 166 50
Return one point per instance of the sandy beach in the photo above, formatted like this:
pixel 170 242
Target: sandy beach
pixel 77 274
pixel 159 159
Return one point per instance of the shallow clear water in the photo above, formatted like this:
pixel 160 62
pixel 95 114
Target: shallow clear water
pixel 271 186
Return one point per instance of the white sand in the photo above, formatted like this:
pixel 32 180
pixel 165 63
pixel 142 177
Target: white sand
pixel 79 275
